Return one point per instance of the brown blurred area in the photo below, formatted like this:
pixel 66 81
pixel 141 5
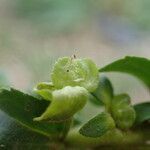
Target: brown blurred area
pixel 34 33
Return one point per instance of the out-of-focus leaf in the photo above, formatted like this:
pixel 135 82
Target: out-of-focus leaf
pixel 51 15
pixel 24 108
pixel 15 136
pixel 94 100
pixel 142 112
pixel 98 126
pixel 104 92
pixel 137 66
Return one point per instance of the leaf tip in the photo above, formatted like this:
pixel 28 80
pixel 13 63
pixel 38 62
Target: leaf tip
pixel 37 119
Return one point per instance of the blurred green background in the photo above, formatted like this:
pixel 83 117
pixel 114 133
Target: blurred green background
pixel 34 33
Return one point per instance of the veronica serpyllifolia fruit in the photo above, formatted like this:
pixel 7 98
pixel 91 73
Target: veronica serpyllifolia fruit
pixel 75 72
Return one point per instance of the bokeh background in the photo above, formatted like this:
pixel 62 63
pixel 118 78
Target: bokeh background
pixel 34 33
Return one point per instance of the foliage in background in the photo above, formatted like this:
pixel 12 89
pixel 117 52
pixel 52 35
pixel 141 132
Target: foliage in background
pixel 65 15
pixel 56 16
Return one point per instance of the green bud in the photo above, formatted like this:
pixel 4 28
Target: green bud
pixel 45 89
pixel 125 117
pixel 122 112
pixel 75 72
pixel 66 102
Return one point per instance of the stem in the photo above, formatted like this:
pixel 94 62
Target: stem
pixel 115 137
pixel 67 125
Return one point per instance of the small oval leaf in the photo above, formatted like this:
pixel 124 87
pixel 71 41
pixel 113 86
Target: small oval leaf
pixel 142 112
pixel 98 126
pixel 104 92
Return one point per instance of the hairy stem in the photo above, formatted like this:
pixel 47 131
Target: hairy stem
pixel 114 137
pixel 67 125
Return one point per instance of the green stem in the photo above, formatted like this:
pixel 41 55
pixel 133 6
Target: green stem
pixel 115 137
pixel 67 125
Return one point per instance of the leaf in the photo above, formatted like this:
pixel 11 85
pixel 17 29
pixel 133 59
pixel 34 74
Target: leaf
pixel 66 102
pixel 23 108
pixel 137 66
pixel 104 92
pixel 95 100
pixel 15 136
pixel 142 112
pixel 98 126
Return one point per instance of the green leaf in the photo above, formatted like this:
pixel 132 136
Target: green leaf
pixel 94 100
pixel 12 134
pixel 66 102
pixel 142 112
pixel 137 66
pixel 98 126
pixel 23 108
pixel 104 92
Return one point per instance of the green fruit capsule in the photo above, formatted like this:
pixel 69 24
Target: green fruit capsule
pixel 44 89
pixel 66 102
pixel 122 112
pixel 75 72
